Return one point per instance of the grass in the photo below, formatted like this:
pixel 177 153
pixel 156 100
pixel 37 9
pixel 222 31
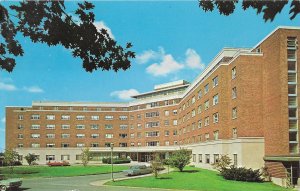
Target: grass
pixel 196 179
pixel 65 171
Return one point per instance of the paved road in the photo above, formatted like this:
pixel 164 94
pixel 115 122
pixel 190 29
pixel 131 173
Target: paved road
pixel 78 183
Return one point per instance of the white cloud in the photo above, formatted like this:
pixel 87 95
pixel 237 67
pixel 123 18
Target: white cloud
pixel 101 25
pixel 193 60
pixel 149 55
pixel 7 87
pixel 33 89
pixel 3 120
pixel 124 94
pixel 166 66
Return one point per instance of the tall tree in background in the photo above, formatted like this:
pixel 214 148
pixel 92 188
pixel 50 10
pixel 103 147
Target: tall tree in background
pixel 48 22
pixel 269 8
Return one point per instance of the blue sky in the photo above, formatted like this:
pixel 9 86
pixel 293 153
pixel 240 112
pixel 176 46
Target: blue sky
pixel 173 40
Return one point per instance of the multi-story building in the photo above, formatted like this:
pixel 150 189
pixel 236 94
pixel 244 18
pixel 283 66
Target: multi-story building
pixel 244 104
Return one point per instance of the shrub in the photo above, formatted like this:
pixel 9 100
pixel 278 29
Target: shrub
pixel 223 163
pixel 116 160
pixel 180 159
pixel 241 174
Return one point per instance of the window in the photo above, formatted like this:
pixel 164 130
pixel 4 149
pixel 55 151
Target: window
pixel 152 114
pixel 35 136
pixel 139 135
pixel 235 160
pixel 200 158
pixel 139 116
pixel 131 117
pixel 50 126
pixel 65 117
pixel 132 144
pixel 206 121
pixel 122 144
pixel 215 81
pixel 206 105
pixel 123 127
pixel 80 136
pixel 233 73
pixel 123 135
pixel 35 145
pixel 20 136
pixel 65 136
pixel 78 157
pixel 233 93
pixel 65 157
pixel 123 117
pixel 132 135
pixel 50 157
pixel 167 133
pixel 216 99
pixel 94 136
pixel 175 142
pixel 206 88
pixel 50 136
pixel 20 127
pixel 175 132
pixel 207 158
pixel 94 126
pixel 20 145
pixel 154 104
pixel 234 133
pixel 65 145
pixel 80 145
pixel 193 99
pixel 152 143
pixel 65 126
pixel 109 117
pixel 166 122
pixel 234 113
pixel 216 158
pixel 152 134
pixel 50 145
pixel 167 113
pixel 215 117
pixel 80 126
pixel 167 143
pixel 108 126
pixel 193 113
pixel 56 108
pixel 35 126
pixel 175 111
pixel 139 126
pixel 200 123
pixel 20 117
pixel 206 136
pixel 84 109
pixel 35 117
pixel 80 117
pixel 95 117
pixel 199 110
pixel 50 117
pixel 199 94
pixel 109 136
pixel 216 135
pixel 194 157
pixel 152 124
pixel 175 122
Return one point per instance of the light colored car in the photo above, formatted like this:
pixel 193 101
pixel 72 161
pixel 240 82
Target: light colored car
pixel 13 183
pixel 138 170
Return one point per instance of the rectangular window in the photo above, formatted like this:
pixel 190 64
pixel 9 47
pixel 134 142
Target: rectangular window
pixel 139 116
pixel 132 135
pixel 50 136
pixel 35 145
pixel 152 124
pixel 35 117
pixel 80 126
pixel 175 132
pixel 234 133
pixel 50 145
pixel 35 126
pixel 206 121
pixel 152 143
pixel 175 111
pixel 152 134
pixel 65 136
pixel 94 136
pixel 108 126
pixel 139 135
pixel 206 88
pixel 206 136
pixel 50 126
pixel 109 136
pixel 216 135
pixel 94 126
pixel 207 158
pixel 123 117
pixel 152 114
pixel 193 99
pixel 175 122
pixel 80 136
pixel 233 93
pixel 35 136
pixel 20 136
pixel 233 73
pixel 216 99
pixel 216 158
pixel 167 113
pixel 215 81
pixel 50 157
pixel 94 144
pixel 215 117
pixel 65 157
pixel 123 127
pixel 20 127
pixel 20 145
pixel 95 117
pixel 193 113
pixel 65 117
pixel 234 113
pixel 194 157
pixel 123 135
pixel 80 117
pixel 200 158
pixel 206 104
pixel 199 94
pixel 235 158
pixel 50 117
pixel 20 117
pixel 139 126
pixel 199 123
pixel 166 122
pixel 65 145
pixel 167 133
pixel 199 110
pixel 80 145
pixel 65 126
pixel 109 117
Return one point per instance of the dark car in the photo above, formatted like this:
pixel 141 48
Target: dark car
pixel 13 183
pixel 138 170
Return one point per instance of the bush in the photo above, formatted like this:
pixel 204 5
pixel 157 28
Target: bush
pixel 116 160
pixel 241 174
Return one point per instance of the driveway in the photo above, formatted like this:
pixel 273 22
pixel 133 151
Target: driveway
pixel 78 183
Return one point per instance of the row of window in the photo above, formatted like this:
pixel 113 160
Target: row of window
pixel 216 158
pixel 92 126
pixel 68 117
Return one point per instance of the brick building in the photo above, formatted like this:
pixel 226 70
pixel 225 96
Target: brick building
pixel 243 104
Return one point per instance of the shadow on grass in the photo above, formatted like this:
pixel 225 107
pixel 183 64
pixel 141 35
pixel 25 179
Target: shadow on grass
pixel 27 172
pixel 164 178
pixel 190 171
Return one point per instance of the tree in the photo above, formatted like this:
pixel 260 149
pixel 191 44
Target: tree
pixel 223 163
pixel 30 158
pixel 180 159
pixel 269 8
pixel 10 158
pixel 156 165
pixel 86 156
pixel 47 22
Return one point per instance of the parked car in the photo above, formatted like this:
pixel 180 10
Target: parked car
pixel 138 170
pixel 13 183
pixel 62 163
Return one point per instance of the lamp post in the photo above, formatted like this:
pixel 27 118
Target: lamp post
pixel 111 161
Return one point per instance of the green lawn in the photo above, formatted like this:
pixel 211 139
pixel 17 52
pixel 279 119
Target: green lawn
pixel 45 171
pixel 196 179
